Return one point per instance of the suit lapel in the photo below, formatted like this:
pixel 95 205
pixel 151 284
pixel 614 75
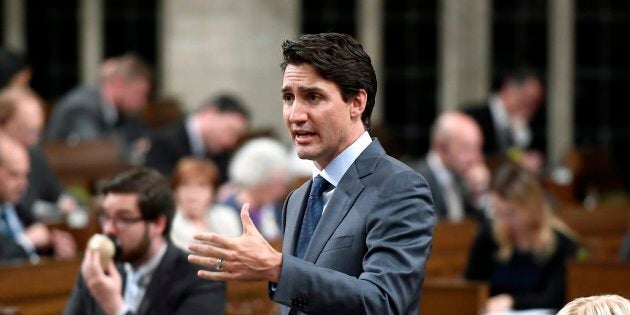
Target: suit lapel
pixel 161 277
pixel 340 203
pixel 342 200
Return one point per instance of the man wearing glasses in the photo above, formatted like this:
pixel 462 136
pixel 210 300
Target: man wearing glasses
pixel 153 276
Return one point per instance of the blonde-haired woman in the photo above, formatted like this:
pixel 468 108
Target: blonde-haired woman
pixel 523 250
pixel 597 305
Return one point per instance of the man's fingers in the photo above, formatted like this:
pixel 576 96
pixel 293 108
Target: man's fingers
pixel 215 239
pixel 217 276
pixel 209 262
pixel 210 251
pixel 248 224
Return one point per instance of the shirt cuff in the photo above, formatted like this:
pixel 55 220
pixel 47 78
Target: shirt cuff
pixel 125 309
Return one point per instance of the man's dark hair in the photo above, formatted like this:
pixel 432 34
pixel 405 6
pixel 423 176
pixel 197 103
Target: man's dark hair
pixel 517 76
pixel 338 58
pixel 10 64
pixel 227 103
pixel 153 190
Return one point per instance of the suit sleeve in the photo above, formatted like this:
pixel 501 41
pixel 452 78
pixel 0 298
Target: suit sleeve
pixel 161 155
pixel 203 297
pixel 398 230
pixel 10 250
pixel 76 302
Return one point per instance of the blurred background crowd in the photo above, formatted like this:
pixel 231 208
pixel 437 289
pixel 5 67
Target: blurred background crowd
pixel 511 109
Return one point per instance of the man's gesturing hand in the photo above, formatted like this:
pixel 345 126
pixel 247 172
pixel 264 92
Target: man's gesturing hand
pixel 246 258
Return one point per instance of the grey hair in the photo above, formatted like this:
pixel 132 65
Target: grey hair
pixel 257 160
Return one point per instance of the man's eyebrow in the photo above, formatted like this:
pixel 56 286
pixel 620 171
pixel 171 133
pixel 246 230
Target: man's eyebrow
pixel 303 89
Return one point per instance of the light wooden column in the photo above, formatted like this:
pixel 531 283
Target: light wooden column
pixel 560 78
pixel 463 53
pixel 13 26
pixel 90 39
pixel 209 47
pixel 370 34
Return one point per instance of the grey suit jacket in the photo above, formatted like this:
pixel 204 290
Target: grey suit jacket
pixel 369 251
pixel 79 116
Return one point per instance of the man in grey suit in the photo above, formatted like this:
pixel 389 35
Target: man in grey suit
pixel 368 251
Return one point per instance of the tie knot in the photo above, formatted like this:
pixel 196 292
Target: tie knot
pixel 319 185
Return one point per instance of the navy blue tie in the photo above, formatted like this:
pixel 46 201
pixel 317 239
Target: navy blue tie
pixel 312 214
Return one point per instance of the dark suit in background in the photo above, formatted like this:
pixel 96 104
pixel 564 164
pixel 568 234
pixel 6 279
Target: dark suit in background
pixel 174 289
pixel 42 185
pixel 439 202
pixel 370 247
pixel 10 250
pixel 171 143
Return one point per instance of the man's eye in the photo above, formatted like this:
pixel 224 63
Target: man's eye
pixel 287 98
pixel 314 98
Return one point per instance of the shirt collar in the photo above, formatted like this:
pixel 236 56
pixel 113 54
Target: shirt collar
pixel 110 113
pixel 147 269
pixel 194 136
pixel 442 174
pixel 335 170
pixel 499 114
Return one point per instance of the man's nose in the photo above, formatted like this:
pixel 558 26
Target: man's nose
pixel 298 112
pixel 109 228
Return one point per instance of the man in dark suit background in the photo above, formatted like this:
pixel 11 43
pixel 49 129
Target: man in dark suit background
pixel 454 167
pixel 210 132
pixel 152 276
pixel 108 109
pixel 506 117
pixel 19 239
pixel 367 253
pixel 22 118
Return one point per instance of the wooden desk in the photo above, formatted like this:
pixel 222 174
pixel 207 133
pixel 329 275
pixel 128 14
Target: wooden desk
pixel 600 230
pixel 451 246
pixel 40 289
pixel 453 296
pixel 597 277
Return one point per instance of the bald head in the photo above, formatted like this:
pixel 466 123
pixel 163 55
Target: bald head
pixel 457 139
pixel 14 168
pixel 21 115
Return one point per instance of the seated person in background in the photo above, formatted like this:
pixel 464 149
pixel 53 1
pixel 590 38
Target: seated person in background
pixel 17 239
pixel 107 110
pixel 454 168
pixel 14 69
pixel 506 116
pixel 22 118
pixel 153 276
pixel 259 172
pixel 211 132
pixel 597 305
pixel 523 253
pixel 194 184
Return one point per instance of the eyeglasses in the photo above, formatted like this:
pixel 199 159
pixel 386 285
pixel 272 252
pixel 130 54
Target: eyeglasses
pixel 119 223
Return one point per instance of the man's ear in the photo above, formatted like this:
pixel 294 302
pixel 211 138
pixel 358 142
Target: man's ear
pixel 358 103
pixel 160 224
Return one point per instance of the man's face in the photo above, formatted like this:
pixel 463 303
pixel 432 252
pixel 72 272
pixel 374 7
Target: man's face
pixel 221 131
pixel 532 97
pixel 27 123
pixel 133 94
pixel 320 123
pixel 13 175
pixel 194 198
pixel 122 218
pixel 463 151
